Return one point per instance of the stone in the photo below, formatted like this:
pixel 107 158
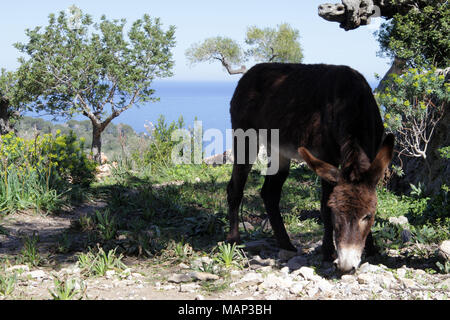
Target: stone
pixel 444 250
pixel 297 288
pixel 445 284
pixel 37 274
pixel 285 270
pixel 347 278
pixel 367 267
pixel 257 245
pixel 401 220
pixel 110 273
pixel 179 278
pixel 401 272
pixel 246 226
pixel 306 272
pixel 312 290
pixel 365 278
pixel 199 297
pixel 408 283
pixel 297 262
pixel 324 286
pixel 189 287
pixel 286 254
pixel 22 267
pixel 252 277
pixel 203 276
pixel 271 281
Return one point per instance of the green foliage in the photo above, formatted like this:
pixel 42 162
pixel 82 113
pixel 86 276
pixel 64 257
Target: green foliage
pixel 117 139
pixel 95 69
pixel 229 255
pixel 216 48
pixel 274 45
pixel 67 289
pixel 36 173
pixel 420 36
pixel 106 225
pixel 444 152
pixel 96 263
pixel 7 284
pixel 159 152
pixel 264 45
pixel 413 104
pixel 30 253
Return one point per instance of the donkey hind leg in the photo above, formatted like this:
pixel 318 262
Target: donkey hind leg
pixel 271 194
pixel 235 191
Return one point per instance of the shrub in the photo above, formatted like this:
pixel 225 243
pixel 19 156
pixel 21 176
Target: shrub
pixel 413 104
pixel 37 172
pixel 159 152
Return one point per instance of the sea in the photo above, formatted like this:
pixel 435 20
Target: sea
pixel 206 102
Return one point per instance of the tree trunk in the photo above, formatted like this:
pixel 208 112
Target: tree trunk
pixel 354 13
pixel 398 67
pixel 5 126
pixel 97 142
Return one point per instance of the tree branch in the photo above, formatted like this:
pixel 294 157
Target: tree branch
pixel 352 14
pixel 228 67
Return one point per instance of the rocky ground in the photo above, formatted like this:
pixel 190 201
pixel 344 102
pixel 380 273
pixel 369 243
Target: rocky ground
pixel 266 274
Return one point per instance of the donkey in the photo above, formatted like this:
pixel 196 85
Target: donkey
pixel 327 116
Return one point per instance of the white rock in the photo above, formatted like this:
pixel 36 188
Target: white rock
pixel 444 250
pixel 312 290
pixel 37 274
pixel 401 272
pixel 367 267
pixel 306 272
pixel 189 287
pixel 271 281
pixel 347 278
pixel 408 283
pixel 22 267
pixel 285 270
pixel 401 220
pixel 445 284
pixel 203 276
pixel 199 297
pixel 177 278
pixel 252 277
pixel 365 278
pixel 324 286
pixel 387 280
pixel 297 288
pixel 110 273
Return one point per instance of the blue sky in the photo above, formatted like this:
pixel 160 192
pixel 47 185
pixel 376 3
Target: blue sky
pixel 322 41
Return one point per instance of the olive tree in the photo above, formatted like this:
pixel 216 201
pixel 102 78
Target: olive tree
pixel 95 69
pixel 279 44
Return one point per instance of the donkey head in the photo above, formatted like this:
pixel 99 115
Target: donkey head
pixel 353 200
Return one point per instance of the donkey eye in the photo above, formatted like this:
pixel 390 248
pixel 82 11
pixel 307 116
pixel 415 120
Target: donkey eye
pixel 367 217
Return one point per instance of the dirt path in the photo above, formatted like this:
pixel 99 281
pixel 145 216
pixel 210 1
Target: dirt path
pixel 269 273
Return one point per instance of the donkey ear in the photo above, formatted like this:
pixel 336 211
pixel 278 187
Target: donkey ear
pixel 381 161
pixel 324 170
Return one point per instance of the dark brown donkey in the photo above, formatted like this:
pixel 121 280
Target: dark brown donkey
pixel 322 112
